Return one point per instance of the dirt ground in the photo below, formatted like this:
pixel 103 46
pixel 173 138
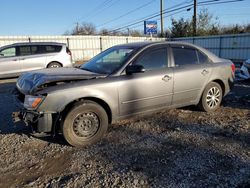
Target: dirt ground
pixel 173 148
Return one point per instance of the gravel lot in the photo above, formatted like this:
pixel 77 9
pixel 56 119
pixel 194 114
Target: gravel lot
pixel 174 148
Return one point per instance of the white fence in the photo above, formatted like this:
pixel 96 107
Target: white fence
pixel 235 47
pixel 82 47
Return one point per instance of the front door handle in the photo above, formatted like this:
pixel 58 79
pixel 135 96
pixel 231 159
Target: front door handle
pixel 204 72
pixel 166 78
pixel 15 60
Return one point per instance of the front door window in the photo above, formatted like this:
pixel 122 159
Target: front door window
pixel 8 52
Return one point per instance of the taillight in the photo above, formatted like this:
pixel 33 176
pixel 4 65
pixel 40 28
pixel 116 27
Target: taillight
pixel 233 67
pixel 68 51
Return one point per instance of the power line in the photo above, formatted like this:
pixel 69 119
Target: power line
pixel 157 13
pixel 164 12
pixel 141 24
pixel 127 13
pixel 215 3
pixel 106 6
pixel 169 11
pixel 104 3
pixel 154 14
pixel 96 9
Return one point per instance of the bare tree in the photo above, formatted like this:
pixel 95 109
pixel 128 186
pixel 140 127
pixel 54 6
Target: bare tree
pixel 84 29
pixel 104 32
pixel 207 24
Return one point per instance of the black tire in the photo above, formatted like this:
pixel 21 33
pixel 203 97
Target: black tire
pixel 85 124
pixel 211 97
pixel 54 65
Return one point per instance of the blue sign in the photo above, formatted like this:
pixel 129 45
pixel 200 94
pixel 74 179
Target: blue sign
pixel 150 27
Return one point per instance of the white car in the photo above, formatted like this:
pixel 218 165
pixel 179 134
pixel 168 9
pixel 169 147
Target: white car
pixel 244 72
pixel 18 58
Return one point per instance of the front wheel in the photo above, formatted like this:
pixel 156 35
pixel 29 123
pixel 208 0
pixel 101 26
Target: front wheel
pixel 85 124
pixel 211 97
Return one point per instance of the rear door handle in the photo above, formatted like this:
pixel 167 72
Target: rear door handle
pixel 15 60
pixel 166 78
pixel 204 72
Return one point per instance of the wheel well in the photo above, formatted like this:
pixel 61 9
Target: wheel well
pixel 54 62
pixel 97 100
pixel 222 85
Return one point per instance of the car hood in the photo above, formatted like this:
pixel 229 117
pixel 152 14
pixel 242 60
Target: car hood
pixel 29 83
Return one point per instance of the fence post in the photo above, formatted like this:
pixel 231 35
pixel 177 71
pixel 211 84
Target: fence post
pixel 220 46
pixel 68 42
pixel 101 44
pixel 29 39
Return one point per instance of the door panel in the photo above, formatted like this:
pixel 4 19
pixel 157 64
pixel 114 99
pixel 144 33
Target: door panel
pixel 31 58
pixel 32 62
pixel 188 82
pixel 10 66
pixel 150 89
pixel 190 75
pixel 145 91
pixel 9 62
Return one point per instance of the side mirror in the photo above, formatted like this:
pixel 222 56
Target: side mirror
pixel 131 69
pixel 1 55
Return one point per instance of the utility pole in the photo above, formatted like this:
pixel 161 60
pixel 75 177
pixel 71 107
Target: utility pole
pixel 162 22
pixel 194 18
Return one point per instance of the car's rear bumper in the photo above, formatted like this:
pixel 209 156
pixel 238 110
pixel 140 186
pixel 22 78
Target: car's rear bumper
pixel 229 84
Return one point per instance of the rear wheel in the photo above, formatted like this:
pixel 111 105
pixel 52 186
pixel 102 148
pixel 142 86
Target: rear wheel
pixel 211 97
pixel 54 65
pixel 85 124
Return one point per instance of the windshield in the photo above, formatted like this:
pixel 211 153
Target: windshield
pixel 108 61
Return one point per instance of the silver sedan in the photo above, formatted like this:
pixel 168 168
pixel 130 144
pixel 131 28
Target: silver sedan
pixel 122 81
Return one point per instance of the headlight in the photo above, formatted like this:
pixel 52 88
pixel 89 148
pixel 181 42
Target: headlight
pixel 32 102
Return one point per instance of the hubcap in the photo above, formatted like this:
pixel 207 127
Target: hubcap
pixel 86 124
pixel 54 66
pixel 213 97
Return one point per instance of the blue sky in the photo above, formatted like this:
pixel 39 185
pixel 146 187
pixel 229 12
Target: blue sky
pixel 54 17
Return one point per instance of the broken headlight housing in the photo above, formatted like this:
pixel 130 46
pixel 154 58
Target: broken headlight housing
pixel 32 102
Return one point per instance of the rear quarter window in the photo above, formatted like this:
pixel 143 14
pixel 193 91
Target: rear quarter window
pixel 52 48
pixel 203 59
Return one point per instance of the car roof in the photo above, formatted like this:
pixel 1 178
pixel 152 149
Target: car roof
pixel 150 43
pixel 33 43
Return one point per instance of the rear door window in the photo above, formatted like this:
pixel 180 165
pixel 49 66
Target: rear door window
pixel 8 52
pixel 185 56
pixel 24 50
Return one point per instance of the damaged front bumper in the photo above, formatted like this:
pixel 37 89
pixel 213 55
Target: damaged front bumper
pixel 39 122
